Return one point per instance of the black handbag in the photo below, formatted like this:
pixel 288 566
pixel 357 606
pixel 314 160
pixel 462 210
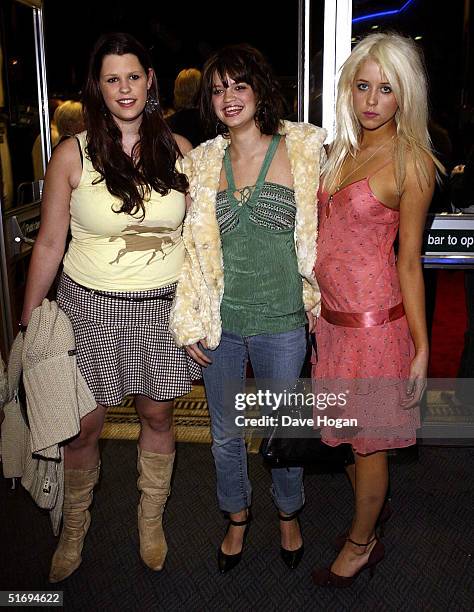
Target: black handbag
pixel 279 450
pixel 292 452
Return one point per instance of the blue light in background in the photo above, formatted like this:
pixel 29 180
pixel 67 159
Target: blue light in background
pixel 382 13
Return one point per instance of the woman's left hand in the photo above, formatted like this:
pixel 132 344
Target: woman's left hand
pixel 311 321
pixel 416 383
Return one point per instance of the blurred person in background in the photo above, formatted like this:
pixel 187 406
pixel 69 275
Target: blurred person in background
pixel 186 119
pixel 36 152
pixel 69 119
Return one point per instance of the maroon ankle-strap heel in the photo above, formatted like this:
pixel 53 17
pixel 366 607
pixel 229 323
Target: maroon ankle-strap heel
pixel 384 516
pixel 326 578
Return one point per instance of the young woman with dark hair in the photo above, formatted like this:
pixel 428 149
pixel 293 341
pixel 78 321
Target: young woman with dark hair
pixel 119 187
pixel 247 280
pixel 128 174
pixel 247 65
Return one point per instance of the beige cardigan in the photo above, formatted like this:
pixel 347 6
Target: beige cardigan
pixel 57 398
pixel 196 309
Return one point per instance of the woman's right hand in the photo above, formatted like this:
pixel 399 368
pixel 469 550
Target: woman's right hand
pixel 24 319
pixel 196 353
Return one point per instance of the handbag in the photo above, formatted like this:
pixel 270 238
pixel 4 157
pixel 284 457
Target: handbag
pixel 280 451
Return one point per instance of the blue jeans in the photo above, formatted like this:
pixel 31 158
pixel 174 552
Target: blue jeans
pixel 273 356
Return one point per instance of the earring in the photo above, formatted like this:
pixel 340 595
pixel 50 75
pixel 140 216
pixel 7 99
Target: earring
pixel 220 127
pixel 261 114
pixel 151 105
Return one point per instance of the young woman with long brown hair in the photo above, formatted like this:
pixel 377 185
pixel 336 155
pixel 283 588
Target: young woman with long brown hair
pixel 119 187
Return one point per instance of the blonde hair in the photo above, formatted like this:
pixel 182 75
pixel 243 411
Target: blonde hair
pixel 400 61
pixel 186 88
pixel 69 118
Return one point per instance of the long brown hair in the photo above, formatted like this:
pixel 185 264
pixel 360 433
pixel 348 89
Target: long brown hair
pixel 152 165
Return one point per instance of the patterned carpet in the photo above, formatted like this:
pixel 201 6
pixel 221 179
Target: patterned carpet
pixel 429 541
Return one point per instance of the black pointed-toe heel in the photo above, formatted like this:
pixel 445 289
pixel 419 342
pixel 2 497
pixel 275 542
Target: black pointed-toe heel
pixel 291 558
pixel 225 562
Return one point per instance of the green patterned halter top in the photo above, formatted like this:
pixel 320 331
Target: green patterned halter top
pixel 263 290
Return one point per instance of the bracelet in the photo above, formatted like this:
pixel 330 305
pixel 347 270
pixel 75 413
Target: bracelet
pixel 22 327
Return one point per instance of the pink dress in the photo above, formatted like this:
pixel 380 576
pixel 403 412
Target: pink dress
pixel 357 274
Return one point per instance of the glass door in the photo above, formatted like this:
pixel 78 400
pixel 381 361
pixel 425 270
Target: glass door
pixel 25 147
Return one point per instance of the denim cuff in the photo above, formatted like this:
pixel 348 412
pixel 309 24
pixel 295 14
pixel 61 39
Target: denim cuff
pixel 288 505
pixel 236 503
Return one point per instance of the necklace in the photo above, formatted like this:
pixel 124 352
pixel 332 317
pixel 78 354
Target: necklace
pixel 341 183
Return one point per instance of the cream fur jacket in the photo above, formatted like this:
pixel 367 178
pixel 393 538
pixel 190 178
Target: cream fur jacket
pixel 195 314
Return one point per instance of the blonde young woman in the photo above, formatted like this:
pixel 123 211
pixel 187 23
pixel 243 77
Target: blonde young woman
pixel 245 286
pixel 378 180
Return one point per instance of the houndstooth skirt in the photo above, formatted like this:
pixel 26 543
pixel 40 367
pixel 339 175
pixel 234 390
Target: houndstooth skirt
pixel 123 343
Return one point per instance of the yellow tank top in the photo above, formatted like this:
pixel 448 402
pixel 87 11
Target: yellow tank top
pixel 118 252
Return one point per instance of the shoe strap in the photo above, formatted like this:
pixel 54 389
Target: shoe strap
pixel 290 517
pixel 239 523
pixel 358 544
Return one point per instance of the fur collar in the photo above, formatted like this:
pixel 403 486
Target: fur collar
pixel 304 144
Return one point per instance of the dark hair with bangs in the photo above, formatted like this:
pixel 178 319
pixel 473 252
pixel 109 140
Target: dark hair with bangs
pixel 152 164
pixel 243 64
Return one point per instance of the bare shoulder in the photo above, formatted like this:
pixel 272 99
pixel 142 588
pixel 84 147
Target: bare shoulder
pixel 183 144
pixel 418 189
pixel 420 174
pixel 66 161
pixel 68 149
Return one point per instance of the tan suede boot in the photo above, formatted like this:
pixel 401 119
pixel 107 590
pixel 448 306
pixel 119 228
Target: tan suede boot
pixel 154 483
pixel 78 486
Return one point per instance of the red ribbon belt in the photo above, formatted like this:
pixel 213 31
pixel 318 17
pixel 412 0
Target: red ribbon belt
pixel 362 319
